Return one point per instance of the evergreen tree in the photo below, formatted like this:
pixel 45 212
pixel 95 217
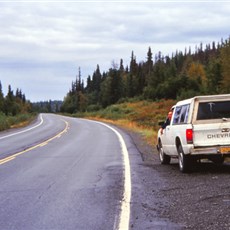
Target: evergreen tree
pixel 129 85
pixel 121 68
pixel 11 107
pixel 106 92
pixel 133 64
pixel 2 101
pixel 97 79
pixel 178 76
pixel 149 63
pixel 225 60
pixel 214 76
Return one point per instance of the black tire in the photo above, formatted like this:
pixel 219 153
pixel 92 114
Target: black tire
pixel 164 159
pixel 184 161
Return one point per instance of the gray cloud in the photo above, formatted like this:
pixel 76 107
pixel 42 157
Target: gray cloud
pixel 43 43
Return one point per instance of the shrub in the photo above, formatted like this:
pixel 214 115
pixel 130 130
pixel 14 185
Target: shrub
pixel 4 124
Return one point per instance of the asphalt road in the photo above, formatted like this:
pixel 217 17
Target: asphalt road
pixel 61 173
pixel 69 173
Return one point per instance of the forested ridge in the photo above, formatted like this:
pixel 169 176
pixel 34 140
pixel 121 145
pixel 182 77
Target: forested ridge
pixel 183 75
pixel 13 103
pixel 15 110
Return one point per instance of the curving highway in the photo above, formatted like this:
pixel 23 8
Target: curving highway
pixel 76 174
pixel 64 173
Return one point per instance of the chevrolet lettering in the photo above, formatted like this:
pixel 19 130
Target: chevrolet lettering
pixel 221 135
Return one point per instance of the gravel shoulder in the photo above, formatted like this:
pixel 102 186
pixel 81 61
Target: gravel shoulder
pixel 164 198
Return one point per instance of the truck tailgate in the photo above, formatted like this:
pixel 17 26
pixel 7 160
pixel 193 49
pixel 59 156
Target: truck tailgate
pixel 212 134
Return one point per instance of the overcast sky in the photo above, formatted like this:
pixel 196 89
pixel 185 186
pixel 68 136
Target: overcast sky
pixel 43 43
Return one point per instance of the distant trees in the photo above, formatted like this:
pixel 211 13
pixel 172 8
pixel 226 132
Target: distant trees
pixel 46 106
pixel 2 100
pixel 225 64
pixel 13 103
pixel 75 99
pixel 183 75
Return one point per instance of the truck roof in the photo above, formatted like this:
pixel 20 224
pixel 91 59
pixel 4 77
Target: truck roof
pixel 204 98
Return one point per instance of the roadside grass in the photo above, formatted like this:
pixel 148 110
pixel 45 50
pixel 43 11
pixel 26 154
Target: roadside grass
pixel 137 116
pixel 21 120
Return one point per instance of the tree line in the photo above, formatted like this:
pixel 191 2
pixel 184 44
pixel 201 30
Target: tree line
pixel 13 103
pixel 185 74
pixel 47 106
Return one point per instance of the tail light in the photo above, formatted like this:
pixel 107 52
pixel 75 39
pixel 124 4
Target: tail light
pixel 189 136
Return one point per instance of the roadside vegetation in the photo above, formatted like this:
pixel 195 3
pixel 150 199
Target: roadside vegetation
pixel 15 110
pixel 139 95
pixel 135 115
pixel 20 120
pixel 136 96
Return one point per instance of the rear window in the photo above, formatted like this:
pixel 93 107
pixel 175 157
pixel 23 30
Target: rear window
pixel 213 110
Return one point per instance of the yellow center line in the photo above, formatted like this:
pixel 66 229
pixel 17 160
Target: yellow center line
pixel 4 160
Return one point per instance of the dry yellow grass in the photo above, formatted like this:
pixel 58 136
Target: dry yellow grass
pixel 141 117
pixel 21 124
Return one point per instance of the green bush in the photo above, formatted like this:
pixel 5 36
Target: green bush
pixel 4 124
pixel 7 122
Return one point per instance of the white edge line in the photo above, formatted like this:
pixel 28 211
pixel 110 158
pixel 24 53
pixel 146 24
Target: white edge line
pixel 26 130
pixel 124 217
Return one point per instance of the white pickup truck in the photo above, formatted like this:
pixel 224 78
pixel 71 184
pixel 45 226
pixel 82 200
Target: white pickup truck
pixel 199 128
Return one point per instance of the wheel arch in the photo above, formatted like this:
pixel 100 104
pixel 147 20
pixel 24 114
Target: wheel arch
pixel 159 140
pixel 159 143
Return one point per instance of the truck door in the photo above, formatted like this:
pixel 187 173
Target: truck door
pixel 178 127
pixel 166 136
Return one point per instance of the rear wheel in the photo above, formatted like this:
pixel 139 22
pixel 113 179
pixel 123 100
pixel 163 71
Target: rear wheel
pixel 164 159
pixel 184 160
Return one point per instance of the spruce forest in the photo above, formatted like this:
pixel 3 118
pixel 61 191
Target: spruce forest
pixel 179 76
pixel 15 110
pixel 13 103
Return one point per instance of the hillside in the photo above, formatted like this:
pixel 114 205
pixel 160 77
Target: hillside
pixel 182 75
